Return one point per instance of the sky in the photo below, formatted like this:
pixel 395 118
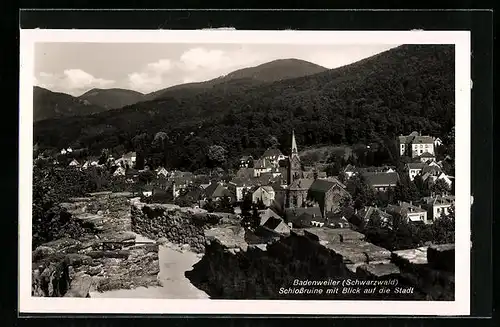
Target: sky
pixel 75 68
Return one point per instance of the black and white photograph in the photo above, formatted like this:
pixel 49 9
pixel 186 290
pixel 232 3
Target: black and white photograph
pixel 180 171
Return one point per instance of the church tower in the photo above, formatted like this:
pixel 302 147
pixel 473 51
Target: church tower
pixel 294 166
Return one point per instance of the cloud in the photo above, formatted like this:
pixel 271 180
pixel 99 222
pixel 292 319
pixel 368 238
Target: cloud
pixel 151 78
pixel 71 81
pixel 193 65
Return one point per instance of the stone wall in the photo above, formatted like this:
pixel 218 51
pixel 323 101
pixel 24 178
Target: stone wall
pixel 234 269
pixel 178 225
pixel 105 259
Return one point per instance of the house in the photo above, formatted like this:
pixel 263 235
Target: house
pixel 437 142
pixel 328 194
pixel 266 214
pixel 179 185
pixel 409 212
pixel 120 171
pixel 340 218
pixel 304 217
pixel 86 165
pixel 261 166
pixel 415 144
pixel 74 163
pixel 366 214
pixel 381 181
pixel 431 179
pixel 382 169
pixel 276 225
pixel 414 168
pixel 69 150
pixel 246 162
pixel 437 206
pixel 349 171
pixel 63 151
pixel 273 155
pixel 161 171
pixel 216 191
pixel 241 186
pixel 265 194
pixel 129 158
pixel 131 173
pixel 426 157
pixel 147 190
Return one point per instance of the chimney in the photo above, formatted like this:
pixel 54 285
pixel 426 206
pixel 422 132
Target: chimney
pixel 411 203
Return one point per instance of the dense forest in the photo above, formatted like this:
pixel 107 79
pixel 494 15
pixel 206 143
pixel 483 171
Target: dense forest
pixel 111 98
pixel 48 104
pixel 407 88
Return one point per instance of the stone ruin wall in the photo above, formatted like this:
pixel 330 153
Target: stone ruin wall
pixel 233 269
pixel 106 258
pixel 181 226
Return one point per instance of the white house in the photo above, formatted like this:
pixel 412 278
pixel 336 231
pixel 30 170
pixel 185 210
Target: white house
pixel 161 172
pixel 437 142
pixel 120 171
pixel 426 157
pixel 414 168
pixel 266 194
pixel 129 158
pixel 408 211
pixel 63 151
pixel 415 144
pixel 437 206
pixel 262 166
pixel 273 155
pixel 74 163
pixel 69 150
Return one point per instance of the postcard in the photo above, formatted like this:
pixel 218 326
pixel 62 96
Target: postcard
pixel 244 172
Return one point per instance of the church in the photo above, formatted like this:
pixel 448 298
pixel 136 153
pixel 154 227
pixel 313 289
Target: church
pixel 306 191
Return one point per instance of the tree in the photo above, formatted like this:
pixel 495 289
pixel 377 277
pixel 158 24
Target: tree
pixel 362 194
pixel 422 187
pixel 246 205
pixel 146 177
pixel 272 141
pixel 440 187
pixel 217 155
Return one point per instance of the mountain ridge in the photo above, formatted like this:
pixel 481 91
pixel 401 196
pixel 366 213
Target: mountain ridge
pixel 395 92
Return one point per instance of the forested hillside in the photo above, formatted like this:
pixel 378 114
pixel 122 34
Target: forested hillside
pixel 273 71
pixel 404 89
pixel 112 98
pixel 48 104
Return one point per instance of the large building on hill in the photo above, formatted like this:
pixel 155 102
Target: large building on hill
pixel 415 145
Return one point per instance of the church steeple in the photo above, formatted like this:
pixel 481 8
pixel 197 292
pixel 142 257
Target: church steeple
pixel 294 143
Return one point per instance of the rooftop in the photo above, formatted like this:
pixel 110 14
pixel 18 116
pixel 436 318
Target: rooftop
pixel 381 179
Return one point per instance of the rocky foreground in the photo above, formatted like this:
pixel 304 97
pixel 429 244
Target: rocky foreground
pixel 107 258
pixel 234 269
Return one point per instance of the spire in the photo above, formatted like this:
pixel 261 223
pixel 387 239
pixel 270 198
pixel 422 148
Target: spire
pixel 294 143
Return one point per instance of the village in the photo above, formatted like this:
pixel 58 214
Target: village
pixel 275 193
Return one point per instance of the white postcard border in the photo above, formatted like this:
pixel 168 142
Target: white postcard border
pixel 461 305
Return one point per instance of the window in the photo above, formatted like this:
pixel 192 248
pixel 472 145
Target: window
pixel 421 151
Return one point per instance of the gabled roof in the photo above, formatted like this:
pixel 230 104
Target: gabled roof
pixel 423 140
pixel 439 200
pixel 349 168
pixel 245 173
pixel 246 158
pixel 321 186
pixel 216 190
pixel 273 222
pixel 272 152
pixel 367 212
pixel 404 208
pixel 301 183
pixel 415 165
pixel 433 170
pixel 381 179
pixel 293 214
pixel 129 155
pixel 427 155
pixel 266 214
pixel 262 164
pixel 236 181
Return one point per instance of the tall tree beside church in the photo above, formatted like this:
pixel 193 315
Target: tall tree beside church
pixel 362 193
